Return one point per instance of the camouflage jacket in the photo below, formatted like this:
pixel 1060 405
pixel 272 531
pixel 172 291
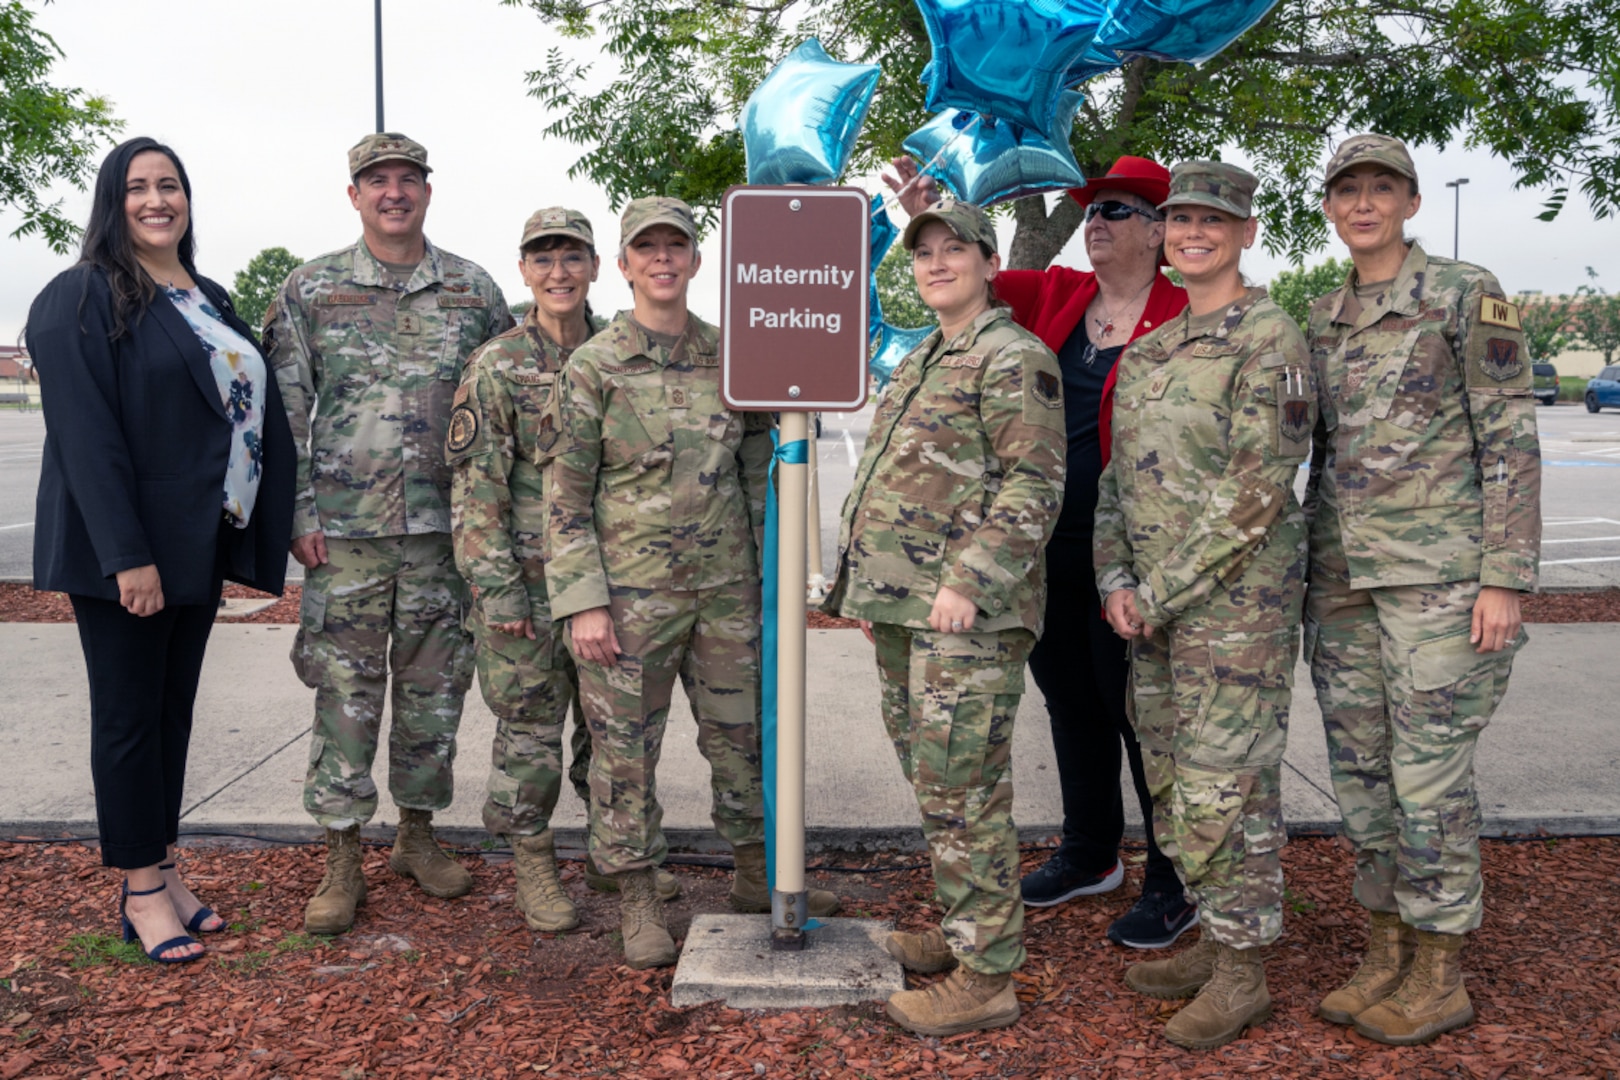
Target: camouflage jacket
pixel 1196 510
pixel 367 372
pixel 1428 466
pixel 960 482
pixel 654 483
pixel 497 507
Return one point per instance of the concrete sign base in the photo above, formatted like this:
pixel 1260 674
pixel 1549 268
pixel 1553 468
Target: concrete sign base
pixel 729 958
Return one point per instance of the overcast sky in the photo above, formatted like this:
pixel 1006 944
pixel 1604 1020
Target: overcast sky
pixel 262 100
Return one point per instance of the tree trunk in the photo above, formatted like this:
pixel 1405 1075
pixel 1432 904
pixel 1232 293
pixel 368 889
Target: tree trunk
pixel 1040 236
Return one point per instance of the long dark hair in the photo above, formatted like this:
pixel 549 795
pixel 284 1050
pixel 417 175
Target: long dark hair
pixel 107 243
pixel 554 243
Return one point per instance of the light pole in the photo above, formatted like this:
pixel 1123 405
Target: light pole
pixel 377 8
pixel 1455 185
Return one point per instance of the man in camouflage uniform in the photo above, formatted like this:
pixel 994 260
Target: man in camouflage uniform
pixel 1425 498
pixel 1198 525
pixel 654 494
pixel 954 500
pixel 367 344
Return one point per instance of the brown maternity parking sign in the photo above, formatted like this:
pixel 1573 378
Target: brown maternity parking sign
pixel 793 304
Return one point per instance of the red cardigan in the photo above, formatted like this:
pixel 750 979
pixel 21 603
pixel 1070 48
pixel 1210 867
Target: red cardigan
pixel 1050 303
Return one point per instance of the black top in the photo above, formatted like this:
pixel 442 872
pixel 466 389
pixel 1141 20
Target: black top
pixel 136 442
pixel 1082 402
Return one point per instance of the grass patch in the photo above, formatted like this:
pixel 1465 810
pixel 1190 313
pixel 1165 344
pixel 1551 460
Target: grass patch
pixel 299 943
pixel 1571 388
pixel 93 950
pixel 248 963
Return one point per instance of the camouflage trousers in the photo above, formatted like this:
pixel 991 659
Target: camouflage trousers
pixel 948 703
pixel 393 604
pixel 1210 708
pixel 529 686
pixel 1404 697
pixel 709 640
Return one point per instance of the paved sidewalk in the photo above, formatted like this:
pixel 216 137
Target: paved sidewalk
pixel 1550 759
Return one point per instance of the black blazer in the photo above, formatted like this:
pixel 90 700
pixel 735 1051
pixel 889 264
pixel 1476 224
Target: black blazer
pixel 136 441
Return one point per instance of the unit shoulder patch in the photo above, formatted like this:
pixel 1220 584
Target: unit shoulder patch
pixel 463 430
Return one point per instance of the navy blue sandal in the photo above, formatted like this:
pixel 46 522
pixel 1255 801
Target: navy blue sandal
pixel 202 915
pixel 155 953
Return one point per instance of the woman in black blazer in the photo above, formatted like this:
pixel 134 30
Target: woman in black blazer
pixel 168 467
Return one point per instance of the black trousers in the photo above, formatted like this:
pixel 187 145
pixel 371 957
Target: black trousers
pixel 1083 669
pixel 143 684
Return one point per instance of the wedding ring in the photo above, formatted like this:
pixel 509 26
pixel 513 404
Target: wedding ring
pixel 956 624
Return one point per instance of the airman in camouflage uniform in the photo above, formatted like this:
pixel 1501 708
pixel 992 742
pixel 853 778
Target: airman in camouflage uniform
pixel 1196 513
pixel 367 344
pixel 654 492
pixel 1425 497
pixel 498 523
pixel 958 492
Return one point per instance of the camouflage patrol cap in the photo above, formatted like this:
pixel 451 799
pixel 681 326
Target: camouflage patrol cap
pixel 1212 183
pixel 558 221
pixel 1370 149
pixel 386 146
pixel 968 221
pixel 643 214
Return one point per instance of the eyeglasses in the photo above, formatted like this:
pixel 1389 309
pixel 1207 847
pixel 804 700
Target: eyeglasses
pixel 572 263
pixel 1113 210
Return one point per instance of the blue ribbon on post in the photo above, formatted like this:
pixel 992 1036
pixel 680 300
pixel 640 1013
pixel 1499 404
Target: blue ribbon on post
pixel 793 453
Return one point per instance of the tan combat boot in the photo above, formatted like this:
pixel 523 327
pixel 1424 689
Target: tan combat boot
pixel 416 855
pixel 1431 999
pixel 750 893
pixel 540 897
pixel 1390 944
pixel 647 943
pixel 964 1000
pixel 668 885
pixel 331 909
pixel 1234 997
pixel 1179 976
pixel 924 953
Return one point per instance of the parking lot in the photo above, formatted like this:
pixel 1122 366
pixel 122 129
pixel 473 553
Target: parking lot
pixel 1580 499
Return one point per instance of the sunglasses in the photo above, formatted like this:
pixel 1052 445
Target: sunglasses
pixel 1112 210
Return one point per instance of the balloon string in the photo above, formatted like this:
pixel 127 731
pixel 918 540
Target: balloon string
pixel 893 199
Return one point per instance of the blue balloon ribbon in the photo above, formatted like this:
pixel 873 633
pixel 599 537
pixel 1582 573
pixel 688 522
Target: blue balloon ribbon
pixel 793 453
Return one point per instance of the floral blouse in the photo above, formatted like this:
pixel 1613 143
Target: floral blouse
pixel 240 372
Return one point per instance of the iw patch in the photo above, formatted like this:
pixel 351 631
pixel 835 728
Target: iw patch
pixel 1494 312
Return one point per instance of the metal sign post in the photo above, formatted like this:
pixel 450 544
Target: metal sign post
pixel 793 340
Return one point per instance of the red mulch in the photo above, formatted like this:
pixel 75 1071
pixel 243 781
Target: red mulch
pixel 460 988
pixel 20 603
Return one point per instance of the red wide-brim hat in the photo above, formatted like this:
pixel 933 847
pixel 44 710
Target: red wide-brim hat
pixel 1137 175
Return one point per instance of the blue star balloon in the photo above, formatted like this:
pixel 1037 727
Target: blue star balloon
pixel 1178 30
pixel 799 125
pixel 1095 61
pixel 882 231
pixel 997 161
pixel 897 343
pixel 1007 58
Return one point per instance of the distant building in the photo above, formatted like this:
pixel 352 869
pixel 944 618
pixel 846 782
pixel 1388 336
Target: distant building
pixel 14 364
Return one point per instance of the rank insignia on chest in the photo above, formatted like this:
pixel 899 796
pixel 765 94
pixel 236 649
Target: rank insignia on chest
pixel 1501 360
pixel 463 429
pixel 409 323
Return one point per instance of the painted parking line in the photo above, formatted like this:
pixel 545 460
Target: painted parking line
pixel 1579 540
pixel 1568 562
pixel 19 525
pixel 1585 464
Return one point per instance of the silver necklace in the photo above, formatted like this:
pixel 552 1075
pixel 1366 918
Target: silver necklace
pixel 1105 325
